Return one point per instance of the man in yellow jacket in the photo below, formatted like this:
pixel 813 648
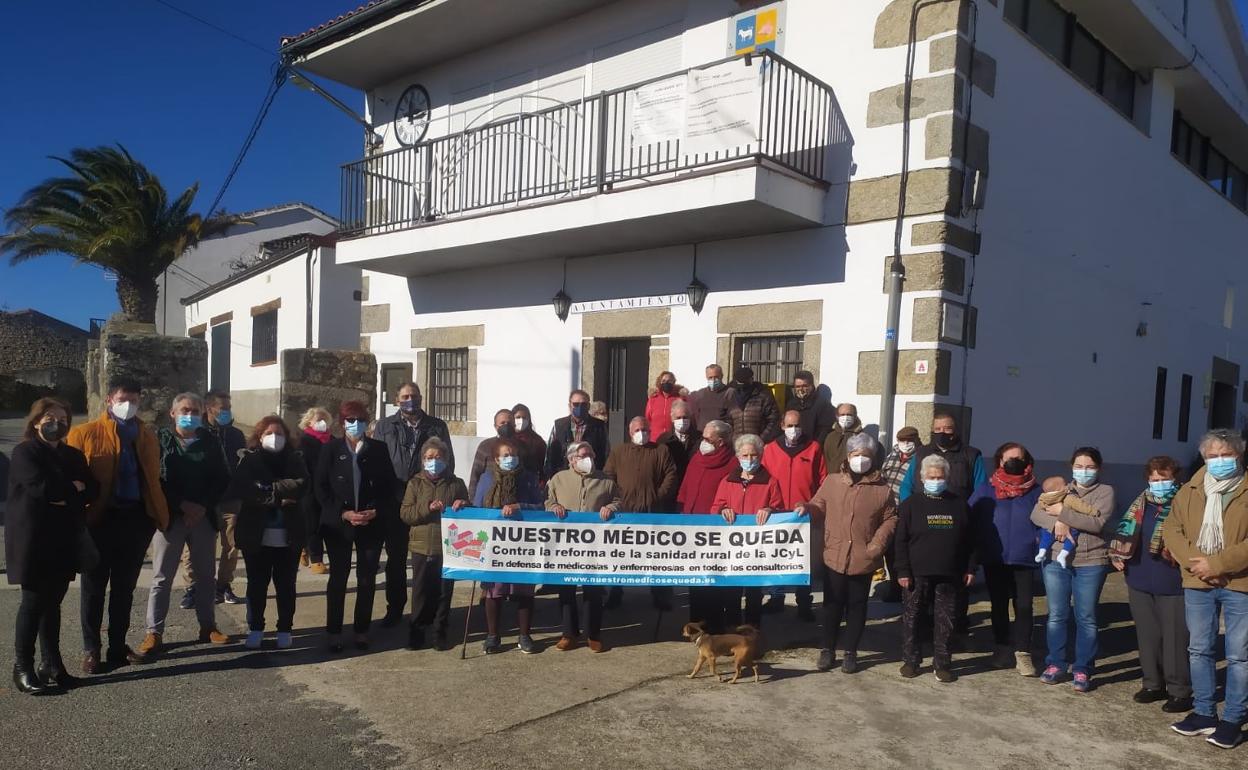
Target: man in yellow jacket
pixel 124 457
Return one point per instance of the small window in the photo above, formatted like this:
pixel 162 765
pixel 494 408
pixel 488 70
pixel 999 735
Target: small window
pixel 1181 138
pixel 1215 170
pixel 264 338
pixel 1237 186
pixel 1185 406
pixel 1016 12
pixel 1046 24
pixel 773 359
pixel 1085 58
pixel 448 377
pixel 1159 404
pixel 1118 84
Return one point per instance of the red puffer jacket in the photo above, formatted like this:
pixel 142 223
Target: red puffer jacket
pixel 747 497
pixel 659 409
pixel 799 472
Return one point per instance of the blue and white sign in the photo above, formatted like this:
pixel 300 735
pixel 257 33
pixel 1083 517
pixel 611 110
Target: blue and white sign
pixel 631 549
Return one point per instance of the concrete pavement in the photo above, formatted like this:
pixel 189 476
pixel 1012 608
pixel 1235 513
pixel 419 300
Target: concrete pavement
pixel 200 706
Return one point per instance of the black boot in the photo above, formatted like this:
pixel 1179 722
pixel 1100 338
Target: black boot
pixel 54 674
pixel 26 680
pixel 415 637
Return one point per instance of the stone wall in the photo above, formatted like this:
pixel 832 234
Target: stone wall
pixel 325 378
pixel 68 384
pixel 164 366
pixel 31 340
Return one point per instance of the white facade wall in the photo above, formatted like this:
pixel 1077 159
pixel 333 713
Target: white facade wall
pixel 1087 217
pixel 256 389
pixel 208 263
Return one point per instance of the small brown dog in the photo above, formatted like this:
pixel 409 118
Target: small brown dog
pixel 744 647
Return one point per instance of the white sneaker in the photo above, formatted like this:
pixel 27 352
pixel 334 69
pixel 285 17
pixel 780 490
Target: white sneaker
pixel 254 638
pixel 283 640
pixel 1024 664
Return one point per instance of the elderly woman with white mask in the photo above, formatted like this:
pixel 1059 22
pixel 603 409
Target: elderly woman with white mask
pixel 1207 534
pixel 859 514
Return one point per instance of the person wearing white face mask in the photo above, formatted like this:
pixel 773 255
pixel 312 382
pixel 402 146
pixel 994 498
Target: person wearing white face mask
pixel 681 439
pixel 747 490
pixel 194 477
pixel 713 461
pixel 647 477
pixel 582 488
pixel 124 457
pixel 834 446
pixel 859 514
pixel 895 468
pixel 795 461
pixel 429 494
pixel 314 434
pixel 532 445
pixel 271 482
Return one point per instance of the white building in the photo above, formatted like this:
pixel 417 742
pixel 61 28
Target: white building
pixel 216 258
pixel 298 298
pixel 1085 295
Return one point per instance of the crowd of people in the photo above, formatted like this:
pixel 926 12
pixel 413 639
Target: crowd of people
pixel 90 499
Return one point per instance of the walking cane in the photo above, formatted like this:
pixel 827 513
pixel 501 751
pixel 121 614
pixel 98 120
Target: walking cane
pixel 657 620
pixel 463 650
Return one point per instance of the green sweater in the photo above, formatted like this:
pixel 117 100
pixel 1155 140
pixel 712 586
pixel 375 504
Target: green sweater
pixel 196 472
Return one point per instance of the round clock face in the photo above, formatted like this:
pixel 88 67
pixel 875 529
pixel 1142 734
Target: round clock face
pixel 411 116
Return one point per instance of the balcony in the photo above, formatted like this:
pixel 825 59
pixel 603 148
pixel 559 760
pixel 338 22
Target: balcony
pixel 743 146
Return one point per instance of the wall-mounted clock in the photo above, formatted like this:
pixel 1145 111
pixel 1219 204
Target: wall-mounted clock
pixel 411 115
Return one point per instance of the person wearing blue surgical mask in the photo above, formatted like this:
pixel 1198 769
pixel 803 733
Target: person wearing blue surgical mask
pixel 1075 589
pixel 428 495
pixel 355 485
pixel 194 478
pixel 1155 590
pixel 748 490
pixel 932 559
pixel 510 488
pixel 219 421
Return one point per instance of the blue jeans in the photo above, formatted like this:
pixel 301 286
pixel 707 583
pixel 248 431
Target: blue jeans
pixel 1202 609
pixel 1084 584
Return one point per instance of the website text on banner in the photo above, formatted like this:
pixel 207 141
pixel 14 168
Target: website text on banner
pixel 631 549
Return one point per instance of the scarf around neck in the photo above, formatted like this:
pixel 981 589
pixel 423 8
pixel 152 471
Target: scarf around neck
pixel 1009 485
pixel 1211 539
pixel 504 490
pixel 1126 539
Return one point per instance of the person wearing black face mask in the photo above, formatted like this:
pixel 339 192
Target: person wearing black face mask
pixel 49 486
pixel 966 474
pixel 1006 546
pixel 577 426
pixel 404 433
pixel 504 428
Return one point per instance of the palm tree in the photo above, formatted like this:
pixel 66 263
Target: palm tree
pixel 112 212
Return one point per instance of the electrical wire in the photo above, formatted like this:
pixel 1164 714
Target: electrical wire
pixel 275 85
pixel 222 30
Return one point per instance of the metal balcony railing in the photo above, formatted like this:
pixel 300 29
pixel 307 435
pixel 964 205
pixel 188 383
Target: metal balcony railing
pixel 593 146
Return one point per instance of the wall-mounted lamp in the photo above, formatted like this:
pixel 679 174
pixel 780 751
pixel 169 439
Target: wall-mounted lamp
pixel 561 301
pixel 696 290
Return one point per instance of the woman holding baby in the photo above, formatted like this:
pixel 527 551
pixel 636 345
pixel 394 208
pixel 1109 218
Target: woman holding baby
pixel 1075 564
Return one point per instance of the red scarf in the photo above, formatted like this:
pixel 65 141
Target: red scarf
pixel 318 435
pixel 1008 485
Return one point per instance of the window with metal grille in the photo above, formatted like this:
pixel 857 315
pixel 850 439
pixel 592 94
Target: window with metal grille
pixel 264 338
pixel 448 378
pixel 773 359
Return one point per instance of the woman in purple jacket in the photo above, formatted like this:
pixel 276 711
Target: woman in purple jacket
pixel 1002 510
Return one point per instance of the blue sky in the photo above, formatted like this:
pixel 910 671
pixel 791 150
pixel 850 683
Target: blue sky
pixel 180 96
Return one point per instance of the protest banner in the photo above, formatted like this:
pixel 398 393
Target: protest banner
pixel 642 549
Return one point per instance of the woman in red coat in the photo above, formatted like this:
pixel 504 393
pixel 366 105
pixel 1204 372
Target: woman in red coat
pixel 707 467
pixel 659 405
pixel 747 490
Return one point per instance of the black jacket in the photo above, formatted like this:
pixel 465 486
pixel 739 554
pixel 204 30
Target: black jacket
pixel 934 538
pixel 816 416
pixel 961 468
pixel 403 444
pixel 561 437
pixel 232 442
pixel 261 490
pixel 334 485
pixel 310 449
pixel 197 472
pixel 680 451
pixel 41 537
